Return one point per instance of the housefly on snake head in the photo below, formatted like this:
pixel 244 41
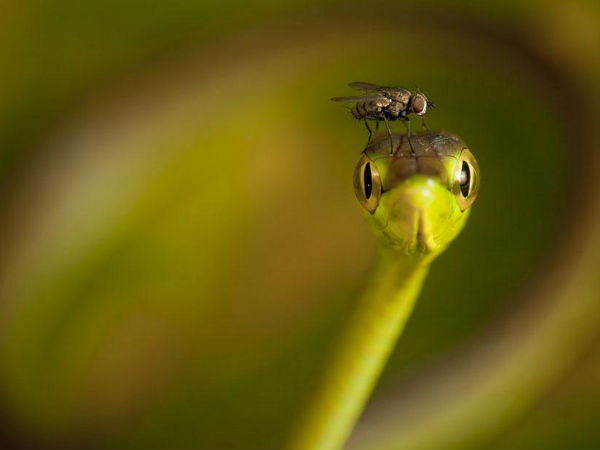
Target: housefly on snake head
pixel 386 104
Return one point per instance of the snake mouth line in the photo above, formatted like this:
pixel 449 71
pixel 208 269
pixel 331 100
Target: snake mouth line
pixel 421 236
pixel 416 242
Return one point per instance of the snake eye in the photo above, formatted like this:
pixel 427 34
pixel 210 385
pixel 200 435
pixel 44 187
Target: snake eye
pixel 367 181
pixel 465 183
pixel 464 179
pixel 367 184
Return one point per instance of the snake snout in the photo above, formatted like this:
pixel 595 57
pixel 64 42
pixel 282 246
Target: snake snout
pixel 409 213
pixel 416 194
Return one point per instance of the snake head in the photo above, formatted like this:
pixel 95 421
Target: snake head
pixel 418 198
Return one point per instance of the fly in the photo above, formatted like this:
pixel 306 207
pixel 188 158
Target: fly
pixel 386 104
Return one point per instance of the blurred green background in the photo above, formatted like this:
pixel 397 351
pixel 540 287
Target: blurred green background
pixel 180 240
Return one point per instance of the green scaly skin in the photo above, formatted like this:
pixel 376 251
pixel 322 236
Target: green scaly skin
pixel 418 214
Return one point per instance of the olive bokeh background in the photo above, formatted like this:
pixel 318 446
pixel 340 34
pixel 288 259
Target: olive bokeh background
pixel 180 241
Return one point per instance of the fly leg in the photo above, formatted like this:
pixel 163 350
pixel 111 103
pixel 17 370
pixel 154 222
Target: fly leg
pixel 407 123
pixel 369 130
pixel 423 125
pixel 387 125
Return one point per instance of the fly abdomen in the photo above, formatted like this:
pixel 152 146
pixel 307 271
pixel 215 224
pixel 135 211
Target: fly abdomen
pixel 358 111
pixel 369 109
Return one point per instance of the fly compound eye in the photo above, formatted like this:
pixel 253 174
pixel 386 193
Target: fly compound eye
pixel 465 184
pixel 367 184
pixel 419 104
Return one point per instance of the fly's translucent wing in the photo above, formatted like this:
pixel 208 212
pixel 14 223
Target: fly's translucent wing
pixel 364 86
pixel 359 98
pixel 395 92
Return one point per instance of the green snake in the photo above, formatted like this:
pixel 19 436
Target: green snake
pixel 417 200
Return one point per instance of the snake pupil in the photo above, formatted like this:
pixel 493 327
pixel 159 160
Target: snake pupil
pixel 368 181
pixel 465 179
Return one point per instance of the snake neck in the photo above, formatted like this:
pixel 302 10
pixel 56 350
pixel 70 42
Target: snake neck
pixel 394 272
pixel 358 355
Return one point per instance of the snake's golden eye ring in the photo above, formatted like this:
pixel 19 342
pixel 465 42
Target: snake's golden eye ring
pixel 367 184
pixel 465 180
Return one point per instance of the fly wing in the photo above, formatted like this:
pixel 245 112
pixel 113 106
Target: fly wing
pixel 394 92
pixel 364 86
pixel 359 98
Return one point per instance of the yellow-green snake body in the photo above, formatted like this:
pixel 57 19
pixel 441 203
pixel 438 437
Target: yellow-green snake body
pixel 417 200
